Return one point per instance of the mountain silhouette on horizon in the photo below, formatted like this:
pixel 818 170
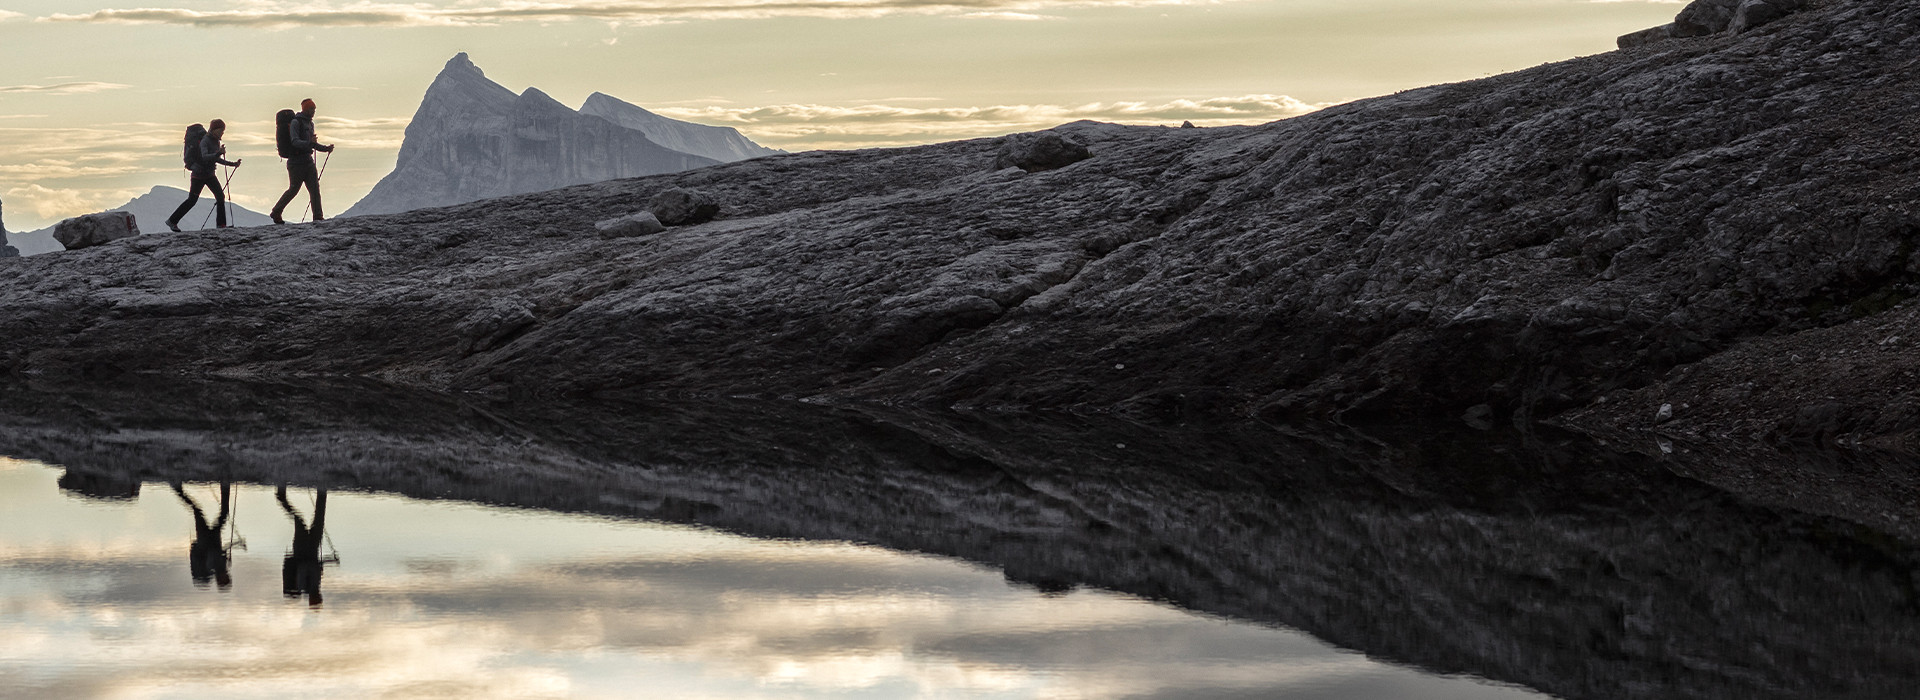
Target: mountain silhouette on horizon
pixel 472 139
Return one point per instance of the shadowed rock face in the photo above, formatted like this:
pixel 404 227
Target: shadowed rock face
pixel 1544 561
pixel 1516 246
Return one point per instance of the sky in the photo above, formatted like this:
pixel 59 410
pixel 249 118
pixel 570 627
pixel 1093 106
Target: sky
pixel 95 94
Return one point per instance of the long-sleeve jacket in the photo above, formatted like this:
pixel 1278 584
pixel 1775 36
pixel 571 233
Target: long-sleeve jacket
pixel 210 156
pixel 300 132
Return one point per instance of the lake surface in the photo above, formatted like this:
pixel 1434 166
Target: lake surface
pixel 725 549
pixel 129 597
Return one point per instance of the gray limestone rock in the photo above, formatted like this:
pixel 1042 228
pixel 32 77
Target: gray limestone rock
pixel 1046 150
pixel 679 207
pixel 1704 17
pixel 636 224
pixel 1646 36
pixel 1753 13
pixel 95 229
pixel 489 326
pixel 6 251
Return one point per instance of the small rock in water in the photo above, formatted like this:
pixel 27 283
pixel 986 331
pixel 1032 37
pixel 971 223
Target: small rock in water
pixel 638 224
pixel 95 229
pixel 1664 414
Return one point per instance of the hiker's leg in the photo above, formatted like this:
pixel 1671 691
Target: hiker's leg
pixel 219 202
pixel 313 191
pixel 293 188
pixel 193 196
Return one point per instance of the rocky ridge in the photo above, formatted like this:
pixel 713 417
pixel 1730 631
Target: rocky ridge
pixel 1509 249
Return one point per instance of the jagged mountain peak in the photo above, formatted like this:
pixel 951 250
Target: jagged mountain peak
pixel 473 138
pixel 460 62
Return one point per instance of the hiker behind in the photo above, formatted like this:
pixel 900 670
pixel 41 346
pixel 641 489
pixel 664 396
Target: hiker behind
pixel 293 133
pixel 202 154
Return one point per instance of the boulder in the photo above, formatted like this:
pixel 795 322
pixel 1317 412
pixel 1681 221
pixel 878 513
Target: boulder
pixel 1753 13
pixel 1046 150
pixel 6 251
pixel 678 207
pixel 95 229
pixel 1646 36
pixel 1704 17
pixel 637 224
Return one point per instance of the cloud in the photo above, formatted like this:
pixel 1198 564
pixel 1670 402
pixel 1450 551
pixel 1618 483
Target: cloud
pixel 6 15
pixel 283 83
pixel 64 88
pixel 859 126
pixel 641 12
pixel 49 203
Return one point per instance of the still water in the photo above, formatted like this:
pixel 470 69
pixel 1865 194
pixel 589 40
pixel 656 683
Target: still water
pixel 198 589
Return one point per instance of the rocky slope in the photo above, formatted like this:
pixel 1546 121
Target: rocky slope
pixel 150 211
pixel 1543 561
pixel 472 139
pixel 1505 249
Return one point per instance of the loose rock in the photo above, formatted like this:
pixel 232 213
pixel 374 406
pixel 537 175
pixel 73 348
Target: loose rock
pixel 679 207
pixel 95 229
pixel 1046 150
pixel 637 224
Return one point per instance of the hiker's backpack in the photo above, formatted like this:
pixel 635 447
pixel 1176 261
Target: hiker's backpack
pixel 190 154
pixel 283 133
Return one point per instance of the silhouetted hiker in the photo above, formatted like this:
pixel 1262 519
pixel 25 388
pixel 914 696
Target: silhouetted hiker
pixel 202 152
pixel 300 573
pixel 296 141
pixel 208 557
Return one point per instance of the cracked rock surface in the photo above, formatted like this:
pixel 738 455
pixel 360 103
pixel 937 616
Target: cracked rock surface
pixel 1530 242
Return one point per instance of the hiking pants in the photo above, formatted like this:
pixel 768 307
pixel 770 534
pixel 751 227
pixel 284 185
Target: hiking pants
pixel 212 183
pixel 300 171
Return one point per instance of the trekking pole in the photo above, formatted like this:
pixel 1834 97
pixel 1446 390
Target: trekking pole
pixel 226 194
pixel 316 178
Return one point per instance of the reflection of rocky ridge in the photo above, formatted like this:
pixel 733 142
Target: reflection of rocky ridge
pixel 472 139
pixel 1541 562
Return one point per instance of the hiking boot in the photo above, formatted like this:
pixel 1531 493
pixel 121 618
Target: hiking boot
pixel 319 219
pixel 171 226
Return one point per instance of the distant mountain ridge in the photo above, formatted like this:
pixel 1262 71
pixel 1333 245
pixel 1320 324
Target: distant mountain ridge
pixel 721 143
pixel 150 212
pixel 473 139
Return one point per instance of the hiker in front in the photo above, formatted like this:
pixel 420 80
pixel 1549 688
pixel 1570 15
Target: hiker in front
pixel 202 152
pixel 293 133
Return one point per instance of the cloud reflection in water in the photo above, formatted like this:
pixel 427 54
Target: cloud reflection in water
pixel 443 599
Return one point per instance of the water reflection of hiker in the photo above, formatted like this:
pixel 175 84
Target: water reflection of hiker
pixel 300 573
pixel 208 557
pixel 296 141
pixel 201 158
